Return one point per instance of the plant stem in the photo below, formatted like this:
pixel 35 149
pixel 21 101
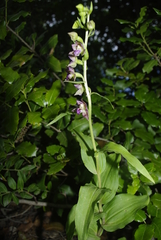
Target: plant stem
pixel 88 93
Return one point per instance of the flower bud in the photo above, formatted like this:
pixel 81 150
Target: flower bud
pixel 91 25
pixel 73 36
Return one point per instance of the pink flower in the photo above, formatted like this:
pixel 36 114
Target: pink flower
pixel 82 109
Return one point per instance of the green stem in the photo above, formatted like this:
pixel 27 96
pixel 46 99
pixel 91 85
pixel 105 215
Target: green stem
pixel 88 94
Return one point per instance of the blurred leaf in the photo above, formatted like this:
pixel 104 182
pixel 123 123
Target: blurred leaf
pixel 3 187
pixel 53 149
pixel 15 88
pixel 157 11
pixel 151 118
pixel 142 14
pixel 11 183
pixel 9 74
pixel 148 67
pixel 34 117
pixel 79 125
pixel 156 223
pixel 101 158
pixel 144 232
pixel 97 128
pixel 16 16
pixel 156 200
pixel 70 225
pixel 53 93
pixel 144 135
pixel 7 199
pixel 140 216
pixel 15 199
pixel 26 149
pixel 54 64
pixel 55 167
pixel 6 54
pixel 50 112
pixel 61 115
pixel 3 31
pixel 11 120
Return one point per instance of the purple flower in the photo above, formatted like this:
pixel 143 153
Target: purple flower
pixel 70 74
pixel 80 89
pixel 72 57
pixel 78 49
pixel 82 109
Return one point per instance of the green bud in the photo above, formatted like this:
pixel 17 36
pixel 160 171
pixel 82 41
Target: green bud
pixel 91 25
pixel 73 36
pixel 80 7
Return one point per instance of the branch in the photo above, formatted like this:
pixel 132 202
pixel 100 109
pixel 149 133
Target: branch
pixel 44 204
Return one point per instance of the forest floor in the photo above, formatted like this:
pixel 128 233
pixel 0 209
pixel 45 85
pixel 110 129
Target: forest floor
pixel 24 222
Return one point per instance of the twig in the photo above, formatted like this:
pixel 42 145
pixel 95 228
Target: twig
pixel 44 204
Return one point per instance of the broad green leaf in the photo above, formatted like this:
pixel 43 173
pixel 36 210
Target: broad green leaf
pixel 20 180
pixel 41 183
pixel 27 168
pixel 16 16
pixel 19 60
pixel 151 118
pixel 142 14
pixel 84 212
pixel 52 42
pixel 141 93
pixel 6 54
pixel 47 158
pixel 148 67
pixel 34 80
pixel 156 223
pixel 70 225
pixel 55 167
pixel 98 113
pixel 2 187
pixel 140 216
pixel 54 64
pixel 113 147
pixel 144 232
pixel 20 27
pixel 121 211
pixel 3 31
pixel 62 137
pixel 50 112
pixel 64 122
pixel 79 125
pixel 61 115
pixel 15 199
pixel 53 149
pixel 9 74
pixel 34 117
pixel 121 21
pixel 110 177
pixel 7 199
pixel 15 88
pixel 101 159
pixel 129 140
pixel 32 187
pixel 125 125
pixel 26 149
pixel 97 128
pixel 87 152
pixel 144 135
pixel 53 93
pixel 11 183
pixel 12 119
pixel 156 200
pixel 38 96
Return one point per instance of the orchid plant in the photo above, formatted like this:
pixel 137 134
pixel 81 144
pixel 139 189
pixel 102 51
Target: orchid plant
pixel 100 207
